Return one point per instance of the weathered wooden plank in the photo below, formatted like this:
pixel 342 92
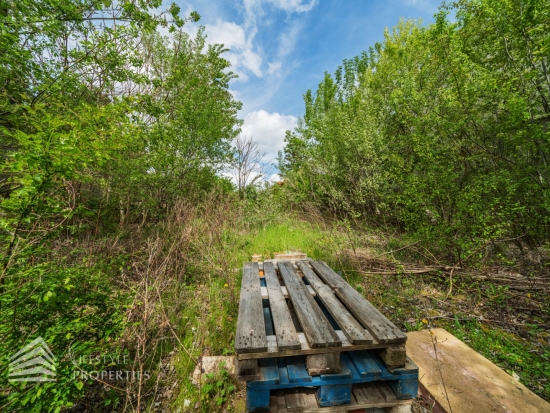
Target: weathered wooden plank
pixel 343 374
pixel 295 318
pixel 287 337
pixel 395 356
pixel 247 370
pixel 250 336
pixel 317 329
pixel 366 393
pixel 409 367
pixel 273 350
pixel 295 401
pixel 345 341
pixel 309 396
pixel 383 330
pixel 290 256
pixel 354 331
pixel 326 363
pixel 311 290
pixel 285 292
pixel 273 404
pixel 279 403
pixel 386 392
pixel 272 345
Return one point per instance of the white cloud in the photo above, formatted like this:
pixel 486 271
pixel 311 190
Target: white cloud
pixel 253 14
pixel 242 56
pixel 268 129
pixel 275 178
pixel 274 69
pixel 294 6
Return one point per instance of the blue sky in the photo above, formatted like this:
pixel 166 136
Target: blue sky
pixel 281 48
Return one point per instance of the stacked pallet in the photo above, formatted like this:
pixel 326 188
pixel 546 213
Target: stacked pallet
pixel 307 341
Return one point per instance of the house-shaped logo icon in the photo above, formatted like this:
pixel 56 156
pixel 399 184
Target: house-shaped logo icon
pixel 34 362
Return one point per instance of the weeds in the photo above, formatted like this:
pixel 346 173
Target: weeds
pixel 217 389
pixel 178 285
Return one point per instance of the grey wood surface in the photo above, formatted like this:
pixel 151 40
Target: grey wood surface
pixel 317 329
pixel 382 329
pixel 247 370
pixel 367 393
pixel 385 391
pixel 250 336
pixel 354 331
pixel 326 363
pixel 287 337
pixel 395 356
pixel 295 400
pixel 359 401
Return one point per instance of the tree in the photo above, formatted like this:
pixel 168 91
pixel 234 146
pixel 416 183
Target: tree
pixel 248 169
pixel 442 128
pixel 102 120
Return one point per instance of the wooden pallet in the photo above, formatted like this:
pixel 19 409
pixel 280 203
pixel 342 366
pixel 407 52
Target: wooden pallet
pixel 363 396
pixel 358 367
pixel 305 308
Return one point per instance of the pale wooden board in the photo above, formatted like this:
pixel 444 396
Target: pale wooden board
pixel 311 290
pixel 273 350
pixel 318 331
pixel 272 345
pixel 308 402
pixel 473 383
pixel 383 330
pixel 250 336
pixel 349 325
pixel 345 341
pixel 287 337
pixel 284 291
pixel 263 292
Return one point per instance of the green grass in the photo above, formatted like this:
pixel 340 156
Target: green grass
pixel 295 236
pixel 208 309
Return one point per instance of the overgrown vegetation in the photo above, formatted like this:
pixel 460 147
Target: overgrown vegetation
pixel 441 130
pixel 419 170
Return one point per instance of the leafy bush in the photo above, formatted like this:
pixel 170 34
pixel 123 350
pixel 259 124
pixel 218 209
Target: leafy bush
pixel 441 130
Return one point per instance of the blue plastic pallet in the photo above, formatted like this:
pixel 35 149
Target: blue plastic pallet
pixel 333 389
